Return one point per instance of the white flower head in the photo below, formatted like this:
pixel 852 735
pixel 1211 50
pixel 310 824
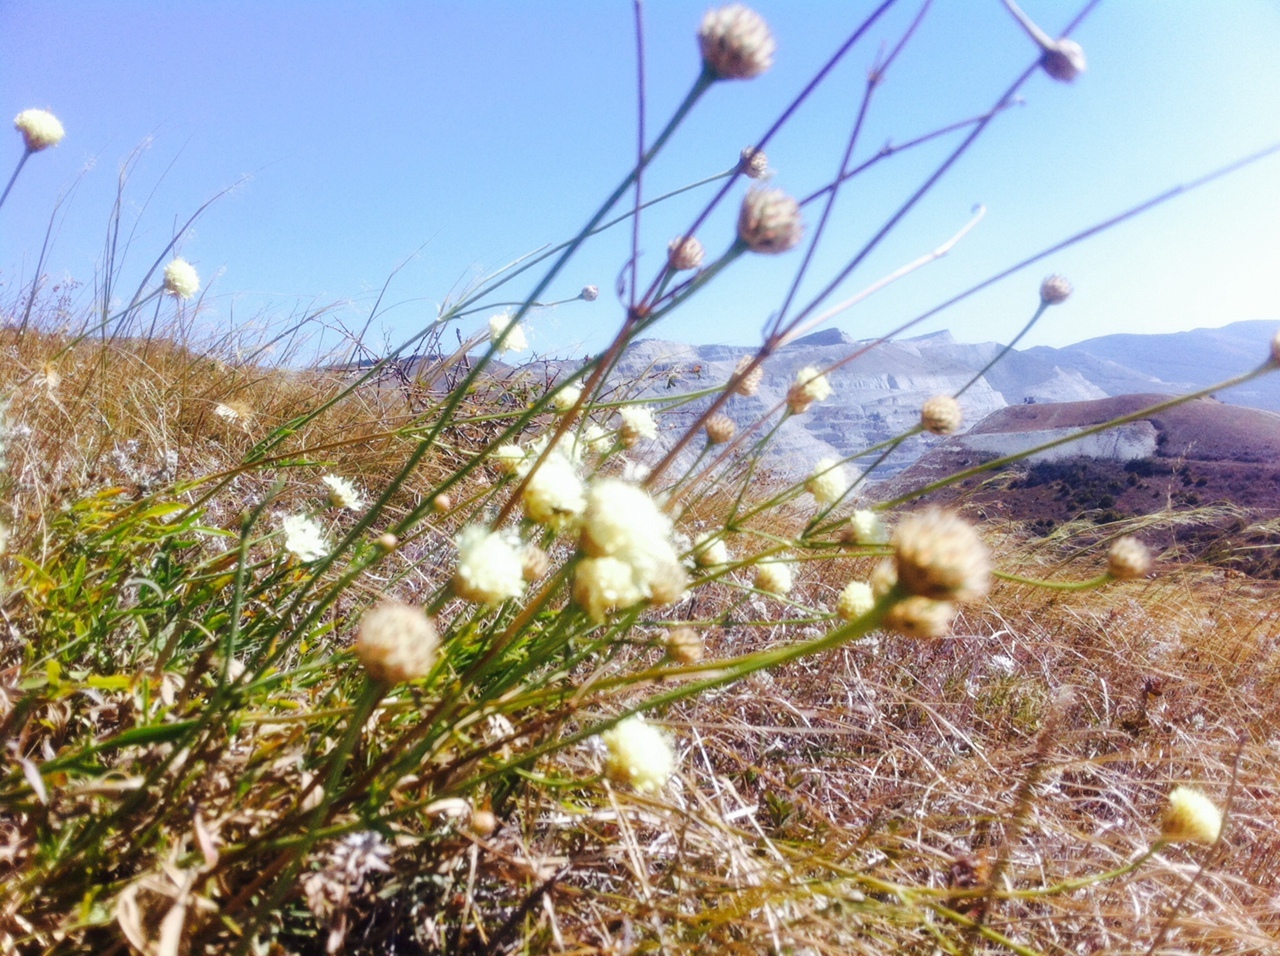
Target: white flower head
pixel 867 527
pixel 637 423
pixel 710 550
pixel 774 575
pixel 1190 817
pixel 566 398
pixel 639 755
pixel 40 129
pixel 515 340
pixel 396 643
pixel 601 585
pixel 855 600
pixel 828 482
pixel 490 566
pixel 304 538
pixel 342 493
pixel 511 459
pixel 180 279
pixel 554 495
pixel 810 386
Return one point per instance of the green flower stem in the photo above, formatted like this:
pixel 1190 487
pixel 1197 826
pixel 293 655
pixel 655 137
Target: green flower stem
pixel 22 161
pixel 1088 585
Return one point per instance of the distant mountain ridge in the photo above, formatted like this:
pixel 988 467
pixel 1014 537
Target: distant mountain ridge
pixel 878 394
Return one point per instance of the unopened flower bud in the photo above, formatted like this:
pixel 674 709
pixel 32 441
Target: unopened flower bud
pixel 684 646
pixel 941 415
pixel 1128 559
pixel 753 163
pixel 1064 60
pixel 748 384
pixel 720 429
pixel 388 541
pixel 684 253
pixel 736 43
pixel 769 221
pixel 940 556
pixel 442 503
pixel 589 293
pixel 483 822
pixel 1055 290
pixel 40 129
pixel 396 643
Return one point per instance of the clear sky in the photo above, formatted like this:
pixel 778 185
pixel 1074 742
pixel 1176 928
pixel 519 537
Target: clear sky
pixel 472 133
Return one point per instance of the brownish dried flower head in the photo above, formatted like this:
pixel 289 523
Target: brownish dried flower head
pixel 884 576
pixel 917 616
pixel 388 541
pixel 684 253
pixel 941 415
pixel 1055 290
pixel 442 502
pixel 1128 559
pixel 753 163
pixel 589 293
pixel 483 822
pixel 769 221
pixel 736 43
pixel 396 642
pixel 1064 60
pixel 720 429
pixel 749 383
pixel 535 562
pixel 684 646
pixel 1275 349
pixel 940 556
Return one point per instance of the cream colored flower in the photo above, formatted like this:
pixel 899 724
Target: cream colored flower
pixel 1128 559
pixel 40 129
pixel 304 538
pixel 867 527
pixel 396 643
pixel 515 340
pixel 753 163
pixel 736 43
pixel 510 459
pixel 640 755
pixel 941 415
pixel 810 386
pixel 828 482
pixel 342 493
pixel 855 600
pixel 720 429
pixel 180 279
pixel 749 383
pixel 601 585
pixel 1055 290
pixel 774 575
pixel 1190 817
pixel 554 495
pixel 566 398
pixel 769 221
pixel 709 550
pixel 684 645
pixel 637 423
pixel 940 556
pixel 490 568
pixel 917 616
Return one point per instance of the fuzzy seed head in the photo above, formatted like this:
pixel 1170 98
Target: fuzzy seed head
pixel 1128 559
pixel 637 423
pixel 753 163
pixel 684 253
pixel 566 398
pixel 1064 61
pixel 684 646
pixel 396 643
pixel 342 493
pixel 515 340
pixel 40 129
pixel 589 293
pixel 720 429
pixel 303 538
pixel 866 527
pixel 554 494
pixel 640 755
pixel 941 415
pixel 736 43
pixel 769 221
pixel 601 585
pixel 828 482
pixel 855 600
pixel 1190 817
pixel 940 556
pixel 510 459
pixel 180 279
pixel 710 551
pixel 490 568
pixel 747 383
pixel 774 575
pixel 810 386
pixel 917 616
pixel 1055 290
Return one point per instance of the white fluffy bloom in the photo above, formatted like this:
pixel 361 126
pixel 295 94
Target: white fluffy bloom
pixel 515 340
pixel 623 522
pixel 709 550
pixel 566 398
pixel 180 279
pixel 774 575
pixel 1190 817
pixel 640 755
pixel 855 600
pixel 554 495
pixel 490 567
pixel 342 493
pixel 40 129
pixel 601 585
pixel 810 386
pixel 827 483
pixel 511 459
pixel 396 643
pixel 867 527
pixel 637 423
pixel 304 538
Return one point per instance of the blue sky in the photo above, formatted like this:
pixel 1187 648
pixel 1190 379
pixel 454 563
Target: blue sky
pixel 474 133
